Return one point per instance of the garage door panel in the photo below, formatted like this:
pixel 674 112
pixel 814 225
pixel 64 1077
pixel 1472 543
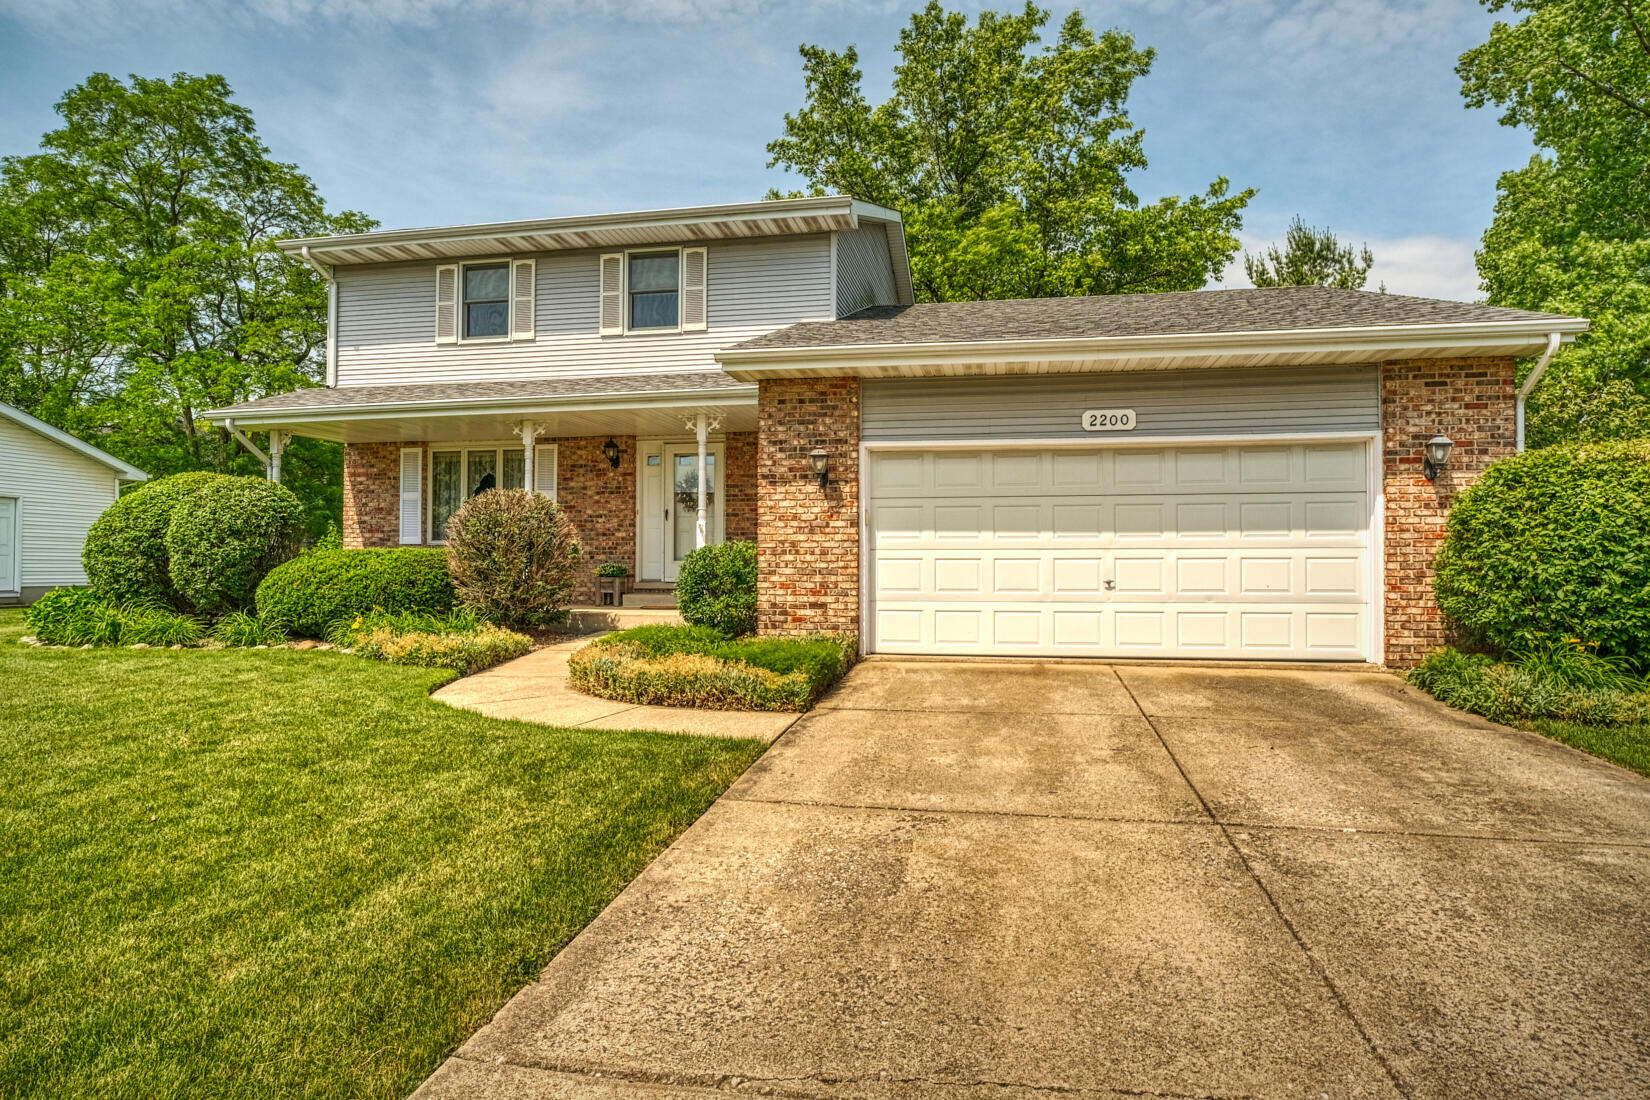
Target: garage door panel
pixel 1235 551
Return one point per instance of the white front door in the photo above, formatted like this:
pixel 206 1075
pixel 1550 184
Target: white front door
pixel 8 544
pixel 682 502
pixel 1254 551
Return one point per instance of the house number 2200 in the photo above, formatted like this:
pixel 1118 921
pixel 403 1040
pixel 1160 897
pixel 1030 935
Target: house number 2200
pixel 1108 420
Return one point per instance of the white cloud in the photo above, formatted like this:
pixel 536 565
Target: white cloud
pixel 1320 32
pixel 1423 266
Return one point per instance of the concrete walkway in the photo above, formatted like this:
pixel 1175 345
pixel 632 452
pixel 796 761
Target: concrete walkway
pixel 535 688
pixel 1008 882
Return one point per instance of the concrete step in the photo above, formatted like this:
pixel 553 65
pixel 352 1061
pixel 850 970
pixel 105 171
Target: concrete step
pixel 592 620
pixel 650 597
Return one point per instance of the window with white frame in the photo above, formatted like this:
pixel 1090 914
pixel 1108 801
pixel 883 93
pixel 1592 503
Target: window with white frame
pixel 654 286
pixel 486 301
pixel 459 473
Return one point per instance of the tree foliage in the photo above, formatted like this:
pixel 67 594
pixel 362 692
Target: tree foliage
pixel 139 283
pixel 1008 163
pixel 1572 227
pixel 1310 257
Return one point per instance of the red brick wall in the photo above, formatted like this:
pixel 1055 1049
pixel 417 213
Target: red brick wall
pixel 372 494
pixel 739 483
pixel 601 502
pixel 1472 402
pixel 807 537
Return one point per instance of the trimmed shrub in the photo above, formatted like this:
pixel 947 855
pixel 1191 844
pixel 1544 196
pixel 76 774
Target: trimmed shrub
pixel 514 556
pixel 310 593
pixel 1520 693
pixel 1552 545
pixel 699 667
pixel 717 588
pixel 125 555
pixel 244 630
pixel 465 653
pixel 232 533
pixel 80 616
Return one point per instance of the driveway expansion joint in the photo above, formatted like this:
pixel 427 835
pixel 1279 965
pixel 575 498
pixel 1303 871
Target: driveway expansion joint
pixel 1033 814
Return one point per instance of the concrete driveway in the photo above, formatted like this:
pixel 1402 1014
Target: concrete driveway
pixel 965 881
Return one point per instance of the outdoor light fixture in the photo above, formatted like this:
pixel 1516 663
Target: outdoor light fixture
pixel 822 464
pixel 611 450
pixel 1437 456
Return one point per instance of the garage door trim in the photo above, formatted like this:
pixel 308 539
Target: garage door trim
pixel 1375 552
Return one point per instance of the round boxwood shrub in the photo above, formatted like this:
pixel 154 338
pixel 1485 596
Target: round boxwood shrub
pixel 514 556
pixel 1554 544
pixel 310 593
pixel 125 553
pixel 230 535
pixel 717 588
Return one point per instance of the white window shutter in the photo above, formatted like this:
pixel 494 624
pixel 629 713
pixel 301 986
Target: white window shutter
pixel 693 290
pixel 521 299
pixel 446 304
pixel 412 495
pixel 612 319
pixel 544 469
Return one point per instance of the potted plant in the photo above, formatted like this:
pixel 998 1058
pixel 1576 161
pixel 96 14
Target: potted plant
pixel 612 579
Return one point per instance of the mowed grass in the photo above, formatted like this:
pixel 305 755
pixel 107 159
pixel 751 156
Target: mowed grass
pixel 1628 746
pixel 291 874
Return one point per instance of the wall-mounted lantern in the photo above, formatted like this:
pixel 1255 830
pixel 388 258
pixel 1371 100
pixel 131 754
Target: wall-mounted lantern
pixel 611 450
pixel 822 465
pixel 1437 456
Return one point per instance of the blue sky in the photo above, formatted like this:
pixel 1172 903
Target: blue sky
pixel 432 112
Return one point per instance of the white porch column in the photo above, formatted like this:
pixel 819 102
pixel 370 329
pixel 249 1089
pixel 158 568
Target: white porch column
pixel 701 428
pixel 529 434
pixel 277 444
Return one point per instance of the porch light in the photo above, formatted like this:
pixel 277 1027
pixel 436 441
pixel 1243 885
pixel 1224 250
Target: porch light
pixel 611 450
pixel 1437 456
pixel 822 465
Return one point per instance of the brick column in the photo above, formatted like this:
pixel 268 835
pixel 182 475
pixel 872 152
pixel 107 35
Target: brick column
pixel 601 501
pixel 1472 402
pixel 807 538
pixel 372 494
pixel 739 483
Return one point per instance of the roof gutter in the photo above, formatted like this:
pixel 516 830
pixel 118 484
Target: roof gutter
pixel 325 272
pixel 740 395
pixel 1555 340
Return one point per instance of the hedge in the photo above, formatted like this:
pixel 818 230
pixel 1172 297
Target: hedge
pixel 698 667
pixel 228 537
pixel 1553 545
pixel 716 587
pixel 308 594
pixel 125 554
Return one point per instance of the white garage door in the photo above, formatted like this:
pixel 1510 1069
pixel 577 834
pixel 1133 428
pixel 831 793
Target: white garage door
pixel 1257 551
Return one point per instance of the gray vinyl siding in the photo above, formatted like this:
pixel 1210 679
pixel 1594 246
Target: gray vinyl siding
pixel 60 493
pixel 386 317
pixel 864 270
pixel 1192 404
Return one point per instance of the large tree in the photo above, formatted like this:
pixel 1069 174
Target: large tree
pixel 1572 227
pixel 139 283
pixel 1008 162
pixel 1310 257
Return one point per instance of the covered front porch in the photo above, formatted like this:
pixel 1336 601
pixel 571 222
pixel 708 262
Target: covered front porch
pixel 645 477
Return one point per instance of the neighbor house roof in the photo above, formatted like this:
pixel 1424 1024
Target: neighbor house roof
pixel 1279 325
pixel 123 470
pixel 693 223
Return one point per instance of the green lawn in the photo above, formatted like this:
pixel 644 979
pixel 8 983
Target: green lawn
pixel 1628 746
pixel 290 874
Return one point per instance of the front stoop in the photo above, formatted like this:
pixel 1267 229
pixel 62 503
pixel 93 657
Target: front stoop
pixel 651 595
pixel 595 620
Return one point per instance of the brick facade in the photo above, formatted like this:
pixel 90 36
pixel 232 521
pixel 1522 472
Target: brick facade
pixel 807 537
pixel 739 483
pixel 1472 402
pixel 372 494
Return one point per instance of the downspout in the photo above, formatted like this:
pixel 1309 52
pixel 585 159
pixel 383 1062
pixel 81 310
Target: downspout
pixel 240 436
pixel 325 272
pixel 1554 341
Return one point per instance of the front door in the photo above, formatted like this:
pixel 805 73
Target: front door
pixel 682 502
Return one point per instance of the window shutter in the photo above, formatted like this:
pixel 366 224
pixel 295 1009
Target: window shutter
pixel 693 290
pixel 612 321
pixel 544 469
pixel 412 495
pixel 446 304
pixel 521 299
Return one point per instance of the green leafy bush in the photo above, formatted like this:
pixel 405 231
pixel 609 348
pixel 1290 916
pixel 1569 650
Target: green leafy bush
pixel 514 557
pixel 1551 545
pixel 125 554
pixel 348 631
pixel 1519 693
pixel 231 534
pixel 310 593
pixel 246 631
pixel 700 667
pixel 80 616
pixel 465 652
pixel 717 588
pixel 155 624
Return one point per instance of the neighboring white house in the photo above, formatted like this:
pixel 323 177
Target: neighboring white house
pixel 52 486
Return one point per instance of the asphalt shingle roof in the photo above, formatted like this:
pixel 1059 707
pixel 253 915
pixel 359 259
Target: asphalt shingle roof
pixel 1275 309
pixel 344 397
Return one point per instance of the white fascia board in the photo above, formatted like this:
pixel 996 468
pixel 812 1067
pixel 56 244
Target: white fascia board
pixel 389 410
pixel 123 470
pixel 748 363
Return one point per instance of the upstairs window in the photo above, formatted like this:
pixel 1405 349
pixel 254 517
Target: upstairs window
pixel 487 301
pixel 655 280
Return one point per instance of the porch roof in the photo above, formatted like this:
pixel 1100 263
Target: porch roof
pixel 636 404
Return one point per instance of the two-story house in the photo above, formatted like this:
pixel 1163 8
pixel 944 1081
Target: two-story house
pixel 1219 474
